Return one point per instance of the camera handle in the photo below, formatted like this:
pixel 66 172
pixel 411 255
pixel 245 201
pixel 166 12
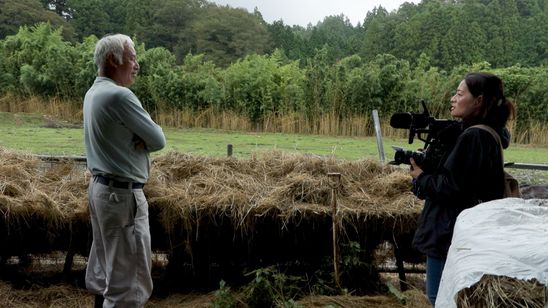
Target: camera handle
pixel 412 133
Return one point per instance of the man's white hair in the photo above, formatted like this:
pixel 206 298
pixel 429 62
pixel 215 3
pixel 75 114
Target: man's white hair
pixel 111 45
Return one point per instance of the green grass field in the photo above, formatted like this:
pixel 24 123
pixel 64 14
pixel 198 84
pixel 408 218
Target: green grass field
pixel 38 134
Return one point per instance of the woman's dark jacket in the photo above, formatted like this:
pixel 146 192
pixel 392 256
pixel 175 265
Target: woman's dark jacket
pixel 470 172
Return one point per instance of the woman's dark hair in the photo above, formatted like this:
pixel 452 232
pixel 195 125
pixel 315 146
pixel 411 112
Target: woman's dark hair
pixel 496 109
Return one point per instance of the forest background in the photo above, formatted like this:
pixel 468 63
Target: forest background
pixel 204 65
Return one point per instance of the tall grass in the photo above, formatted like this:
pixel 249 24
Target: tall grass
pixel 534 133
pixel 330 124
pixel 327 124
pixel 61 109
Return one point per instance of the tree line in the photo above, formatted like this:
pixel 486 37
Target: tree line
pixel 37 61
pixel 450 32
pixel 40 60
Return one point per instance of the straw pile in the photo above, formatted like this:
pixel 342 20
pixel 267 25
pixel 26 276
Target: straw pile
pixel 216 213
pixel 501 291
pixel 39 206
pixel 282 185
pixel 67 296
pixel 413 299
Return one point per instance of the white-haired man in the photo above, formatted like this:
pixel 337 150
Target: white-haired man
pixel 119 135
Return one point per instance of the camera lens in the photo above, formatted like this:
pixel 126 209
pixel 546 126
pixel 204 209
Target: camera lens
pixel 402 156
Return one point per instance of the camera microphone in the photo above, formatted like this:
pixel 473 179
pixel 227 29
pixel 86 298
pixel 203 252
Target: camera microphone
pixel 409 120
pixel 401 120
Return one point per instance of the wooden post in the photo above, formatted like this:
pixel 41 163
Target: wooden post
pixel 229 150
pixel 334 183
pixel 401 268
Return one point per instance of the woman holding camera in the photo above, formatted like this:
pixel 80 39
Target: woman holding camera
pixel 469 173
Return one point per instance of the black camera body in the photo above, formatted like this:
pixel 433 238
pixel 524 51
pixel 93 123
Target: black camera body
pixel 402 156
pixel 436 143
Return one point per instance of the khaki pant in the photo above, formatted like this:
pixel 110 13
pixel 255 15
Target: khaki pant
pixel 119 264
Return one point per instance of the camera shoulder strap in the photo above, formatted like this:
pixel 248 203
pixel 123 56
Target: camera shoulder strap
pixel 493 132
pixel 511 188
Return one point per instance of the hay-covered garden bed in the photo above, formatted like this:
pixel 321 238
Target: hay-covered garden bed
pixel 213 215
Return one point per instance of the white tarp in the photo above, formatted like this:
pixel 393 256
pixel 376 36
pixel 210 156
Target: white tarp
pixel 507 237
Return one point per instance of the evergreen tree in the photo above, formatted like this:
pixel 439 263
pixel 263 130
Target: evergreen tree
pixel 17 13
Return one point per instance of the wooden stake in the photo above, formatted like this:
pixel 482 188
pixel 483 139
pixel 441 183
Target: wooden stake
pixel 334 183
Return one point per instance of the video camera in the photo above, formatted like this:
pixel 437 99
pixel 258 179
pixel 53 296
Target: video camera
pixel 434 144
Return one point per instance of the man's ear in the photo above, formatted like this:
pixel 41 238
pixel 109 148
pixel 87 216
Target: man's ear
pixel 111 61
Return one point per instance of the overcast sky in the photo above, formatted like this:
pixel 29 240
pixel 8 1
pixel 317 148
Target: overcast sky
pixel 303 12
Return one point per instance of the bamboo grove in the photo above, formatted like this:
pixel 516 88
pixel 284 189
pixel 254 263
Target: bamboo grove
pixel 333 70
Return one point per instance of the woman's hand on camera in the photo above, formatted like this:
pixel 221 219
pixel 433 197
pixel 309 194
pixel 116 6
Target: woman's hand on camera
pixel 415 170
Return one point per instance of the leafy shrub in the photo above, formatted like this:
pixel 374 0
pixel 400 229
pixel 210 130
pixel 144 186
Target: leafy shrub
pixel 270 288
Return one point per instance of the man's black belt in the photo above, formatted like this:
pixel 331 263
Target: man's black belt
pixel 118 184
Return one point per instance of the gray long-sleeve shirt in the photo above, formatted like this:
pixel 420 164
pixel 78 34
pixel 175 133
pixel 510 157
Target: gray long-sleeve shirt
pixel 114 124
